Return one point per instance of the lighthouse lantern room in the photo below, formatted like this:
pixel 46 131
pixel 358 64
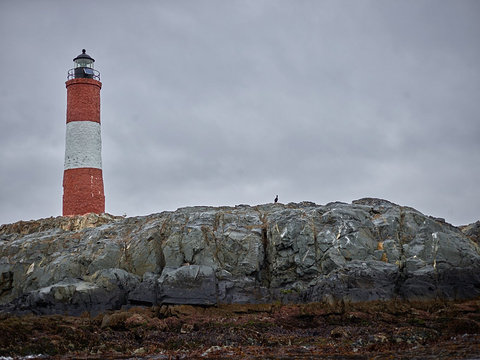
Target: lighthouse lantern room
pixel 83 178
pixel 83 67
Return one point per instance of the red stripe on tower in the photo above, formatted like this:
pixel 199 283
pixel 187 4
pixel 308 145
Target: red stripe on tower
pixel 82 178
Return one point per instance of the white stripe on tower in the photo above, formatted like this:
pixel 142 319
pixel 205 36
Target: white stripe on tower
pixel 83 147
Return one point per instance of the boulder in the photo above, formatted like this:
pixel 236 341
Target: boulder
pixel 189 285
pixel 105 290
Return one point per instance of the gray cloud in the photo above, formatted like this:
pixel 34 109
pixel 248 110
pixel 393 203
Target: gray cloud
pixel 221 103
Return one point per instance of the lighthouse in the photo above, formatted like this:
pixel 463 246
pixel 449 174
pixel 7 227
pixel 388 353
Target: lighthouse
pixel 83 178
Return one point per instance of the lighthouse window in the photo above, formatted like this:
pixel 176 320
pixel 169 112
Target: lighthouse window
pixel 88 71
pixel 84 63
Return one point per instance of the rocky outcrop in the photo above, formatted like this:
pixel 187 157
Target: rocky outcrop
pixel 368 250
pixel 71 223
pixel 472 231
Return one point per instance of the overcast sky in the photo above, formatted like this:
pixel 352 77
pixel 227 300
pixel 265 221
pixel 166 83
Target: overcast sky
pixel 232 102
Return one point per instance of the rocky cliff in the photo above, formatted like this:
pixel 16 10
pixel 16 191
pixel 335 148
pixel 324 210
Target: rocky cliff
pixel 368 250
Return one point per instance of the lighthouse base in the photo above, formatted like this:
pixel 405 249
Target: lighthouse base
pixel 83 191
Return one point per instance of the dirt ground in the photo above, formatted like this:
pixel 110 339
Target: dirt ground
pixel 373 330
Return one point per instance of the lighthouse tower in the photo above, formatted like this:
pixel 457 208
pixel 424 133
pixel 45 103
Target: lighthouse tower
pixel 82 177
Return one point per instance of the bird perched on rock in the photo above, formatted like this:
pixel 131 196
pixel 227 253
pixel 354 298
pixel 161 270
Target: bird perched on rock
pixel 276 199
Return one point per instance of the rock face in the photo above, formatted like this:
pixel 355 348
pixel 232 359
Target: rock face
pixel 369 250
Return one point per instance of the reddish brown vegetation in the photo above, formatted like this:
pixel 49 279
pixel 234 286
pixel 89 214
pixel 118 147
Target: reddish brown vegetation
pixel 392 329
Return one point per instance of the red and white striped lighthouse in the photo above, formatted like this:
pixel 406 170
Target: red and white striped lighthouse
pixel 82 177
